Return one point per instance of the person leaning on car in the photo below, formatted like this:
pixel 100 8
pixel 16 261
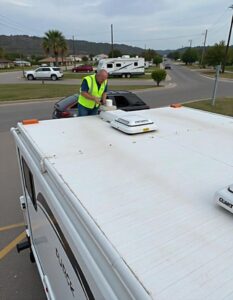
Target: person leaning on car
pixel 93 92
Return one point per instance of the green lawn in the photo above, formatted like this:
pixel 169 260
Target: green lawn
pixel 71 75
pixel 38 91
pixel 229 68
pixel 212 74
pixel 17 69
pixel 222 106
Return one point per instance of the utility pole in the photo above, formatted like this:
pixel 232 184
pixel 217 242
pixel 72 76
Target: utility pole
pixel 203 50
pixel 218 68
pixel 74 51
pixel 190 45
pixel 112 39
pixel 228 42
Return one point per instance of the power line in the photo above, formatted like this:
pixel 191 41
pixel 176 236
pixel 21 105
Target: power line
pixel 8 22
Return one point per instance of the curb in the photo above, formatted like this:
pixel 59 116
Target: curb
pixel 29 100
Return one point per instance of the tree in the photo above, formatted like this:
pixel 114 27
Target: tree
pixel 84 58
pixel 115 53
pixel 174 55
pixel 157 60
pixel 230 59
pixel 91 56
pixel 189 56
pixel 149 54
pixel 215 54
pixel 159 75
pixel 53 42
pixel 2 54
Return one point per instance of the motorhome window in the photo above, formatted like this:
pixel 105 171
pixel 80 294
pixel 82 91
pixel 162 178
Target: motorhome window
pixel 109 66
pixel 29 182
pixel 118 65
pixel 136 64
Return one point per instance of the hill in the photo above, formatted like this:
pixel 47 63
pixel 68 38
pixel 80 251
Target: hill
pixel 32 45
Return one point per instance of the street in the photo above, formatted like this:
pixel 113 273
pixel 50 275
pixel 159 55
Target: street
pixel 19 278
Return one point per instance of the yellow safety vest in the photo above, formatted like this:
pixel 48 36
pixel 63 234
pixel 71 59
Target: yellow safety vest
pixel 93 90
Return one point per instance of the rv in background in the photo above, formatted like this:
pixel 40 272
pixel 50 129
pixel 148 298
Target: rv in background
pixel 124 66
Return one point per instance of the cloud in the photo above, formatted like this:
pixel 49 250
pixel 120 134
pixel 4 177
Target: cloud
pixel 130 8
pixel 21 3
pixel 159 24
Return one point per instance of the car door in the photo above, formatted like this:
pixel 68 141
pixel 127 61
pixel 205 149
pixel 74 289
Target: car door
pixel 42 73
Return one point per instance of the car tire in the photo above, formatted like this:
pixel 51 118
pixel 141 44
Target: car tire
pixel 74 71
pixel 123 76
pixel 30 77
pixel 54 77
pixel 128 75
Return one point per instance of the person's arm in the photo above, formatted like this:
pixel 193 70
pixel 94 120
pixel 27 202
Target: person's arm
pixel 86 94
pixel 104 96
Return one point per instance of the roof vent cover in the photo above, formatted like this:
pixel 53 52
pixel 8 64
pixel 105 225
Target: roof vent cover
pixel 133 124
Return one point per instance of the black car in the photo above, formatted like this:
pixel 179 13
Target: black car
pixel 167 66
pixel 124 100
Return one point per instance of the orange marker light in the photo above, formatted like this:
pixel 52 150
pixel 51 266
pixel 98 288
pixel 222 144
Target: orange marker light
pixel 30 121
pixel 176 105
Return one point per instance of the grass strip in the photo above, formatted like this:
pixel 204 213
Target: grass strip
pixel 9 92
pixel 222 75
pixel 70 75
pixel 222 106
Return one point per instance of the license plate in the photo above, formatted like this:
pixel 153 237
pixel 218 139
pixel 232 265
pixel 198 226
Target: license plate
pixel 145 129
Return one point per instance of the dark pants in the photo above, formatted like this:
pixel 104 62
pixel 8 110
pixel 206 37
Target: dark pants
pixel 84 111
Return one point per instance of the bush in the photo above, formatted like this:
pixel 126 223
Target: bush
pixel 158 75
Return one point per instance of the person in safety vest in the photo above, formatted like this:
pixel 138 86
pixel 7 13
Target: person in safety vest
pixel 93 92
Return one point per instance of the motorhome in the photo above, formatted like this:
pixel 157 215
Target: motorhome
pixel 122 206
pixel 124 66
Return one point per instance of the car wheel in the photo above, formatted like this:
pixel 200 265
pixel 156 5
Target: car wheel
pixel 30 77
pixel 54 77
pixel 74 71
pixel 123 75
pixel 128 75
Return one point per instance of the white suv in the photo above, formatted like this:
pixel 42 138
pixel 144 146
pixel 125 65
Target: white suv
pixel 53 73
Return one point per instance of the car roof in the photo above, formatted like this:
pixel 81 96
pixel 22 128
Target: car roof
pixel 66 101
pixel 119 92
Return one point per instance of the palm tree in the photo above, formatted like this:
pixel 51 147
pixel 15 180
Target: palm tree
pixel 54 42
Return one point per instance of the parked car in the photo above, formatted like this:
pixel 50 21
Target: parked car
pixel 167 66
pixel 84 68
pixel 52 73
pixel 124 100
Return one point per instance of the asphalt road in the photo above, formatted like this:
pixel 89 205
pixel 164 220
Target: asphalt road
pixel 190 85
pixel 19 278
pixel 17 78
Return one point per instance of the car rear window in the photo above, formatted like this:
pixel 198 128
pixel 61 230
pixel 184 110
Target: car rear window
pixel 56 69
pixel 134 100
pixel 65 102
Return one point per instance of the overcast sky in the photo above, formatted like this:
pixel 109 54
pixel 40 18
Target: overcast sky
pixel 163 24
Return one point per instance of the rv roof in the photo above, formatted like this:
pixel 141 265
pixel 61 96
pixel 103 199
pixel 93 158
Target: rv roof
pixel 152 195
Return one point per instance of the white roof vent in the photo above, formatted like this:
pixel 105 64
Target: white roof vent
pixel 133 124
pixel 224 198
